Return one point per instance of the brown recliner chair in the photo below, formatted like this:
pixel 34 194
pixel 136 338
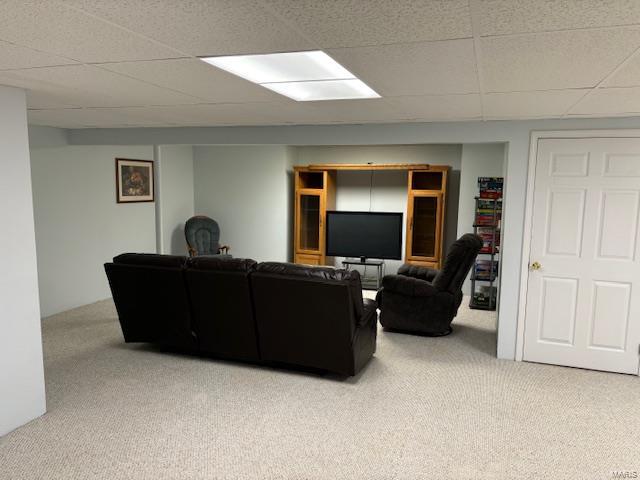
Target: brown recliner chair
pixel 423 300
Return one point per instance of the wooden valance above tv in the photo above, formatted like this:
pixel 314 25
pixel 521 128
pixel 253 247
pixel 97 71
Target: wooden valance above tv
pixel 315 193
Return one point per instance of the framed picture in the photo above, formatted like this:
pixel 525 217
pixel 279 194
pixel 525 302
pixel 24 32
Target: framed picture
pixel 134 180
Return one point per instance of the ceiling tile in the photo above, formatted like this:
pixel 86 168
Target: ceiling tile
pixel 552 103
pixel 557 60
pixel 90 117
pixel 40 100
pixel 213 114
pixel 14 56
pixel 43 94
pixel 627 76
pixel 439 107
pixel 413 69
pixel 605 101
pixel 350 23
pixel 201 27
pixel 196 78
pixel 338 111
pixel 52 27
pixel 500 17
pixel 90 86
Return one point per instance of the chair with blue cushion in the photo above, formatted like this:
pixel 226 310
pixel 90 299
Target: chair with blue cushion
pixel 203 237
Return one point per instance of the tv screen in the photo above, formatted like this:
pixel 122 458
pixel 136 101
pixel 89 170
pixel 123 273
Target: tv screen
pixel 364 234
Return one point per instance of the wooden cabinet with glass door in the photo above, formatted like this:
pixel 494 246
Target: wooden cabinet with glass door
pixel 425 216
pixel 314 195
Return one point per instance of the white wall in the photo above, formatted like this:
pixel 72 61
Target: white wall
pixel 42 137
pixel 515 133
pixel 22 395
pixel 175 196
pixel 79 225
pixel 247 190
pixel 478 160
pixel 389 193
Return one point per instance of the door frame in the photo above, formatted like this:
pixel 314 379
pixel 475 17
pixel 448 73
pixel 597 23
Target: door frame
pixel 537 135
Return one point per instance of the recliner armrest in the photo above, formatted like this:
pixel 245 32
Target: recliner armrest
pixel 409 286
pixel 416 271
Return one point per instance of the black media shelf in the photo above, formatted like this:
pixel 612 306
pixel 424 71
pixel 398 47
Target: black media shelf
pixel 490 209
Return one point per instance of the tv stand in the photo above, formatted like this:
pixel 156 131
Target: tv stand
pixel 379 264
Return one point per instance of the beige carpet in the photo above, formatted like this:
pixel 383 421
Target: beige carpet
pixel 424 408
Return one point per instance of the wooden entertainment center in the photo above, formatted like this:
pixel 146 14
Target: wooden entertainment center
pixel 315 194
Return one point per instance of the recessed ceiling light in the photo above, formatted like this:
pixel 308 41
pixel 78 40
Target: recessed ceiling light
pixel 303 76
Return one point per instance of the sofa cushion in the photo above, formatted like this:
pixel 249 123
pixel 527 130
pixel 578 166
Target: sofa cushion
pixel 227 264
pixel 151 260
pixel 352 277
pixel 321 273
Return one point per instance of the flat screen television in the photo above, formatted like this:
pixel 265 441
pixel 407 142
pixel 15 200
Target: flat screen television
pixel 364 235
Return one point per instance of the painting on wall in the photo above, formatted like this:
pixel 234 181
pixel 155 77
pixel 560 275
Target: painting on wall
pixel 134 180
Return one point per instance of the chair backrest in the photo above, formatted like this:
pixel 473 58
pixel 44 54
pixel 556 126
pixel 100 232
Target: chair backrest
pixel 459 261
pixel 307 315
pixel 223 317
pixel 202 235
pixel 151 297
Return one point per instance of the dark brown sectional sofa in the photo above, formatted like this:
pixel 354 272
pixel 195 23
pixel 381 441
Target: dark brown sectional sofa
pixel 275 313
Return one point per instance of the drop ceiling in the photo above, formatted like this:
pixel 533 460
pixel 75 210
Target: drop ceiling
pixel 134 63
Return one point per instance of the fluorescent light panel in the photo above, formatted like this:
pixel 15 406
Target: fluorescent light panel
pixel 323 90
pixel 302 76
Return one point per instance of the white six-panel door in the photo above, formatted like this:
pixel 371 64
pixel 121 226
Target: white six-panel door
pixel 583 296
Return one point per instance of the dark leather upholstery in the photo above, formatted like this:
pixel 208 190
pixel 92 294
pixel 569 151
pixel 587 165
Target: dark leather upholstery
pixel 151 298
pixel 423 300
pixel 222 309
pixel 351 277
pixel 314 317
pixel 271 312
pixel 151 260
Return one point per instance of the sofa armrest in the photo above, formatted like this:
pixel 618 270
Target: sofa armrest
pixel 369 311
pixel 409 286
pixel 416 271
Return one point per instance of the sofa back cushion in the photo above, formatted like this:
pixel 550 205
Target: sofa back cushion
pixel 222 263
pixel 223 316
pixel 151 260
pixel 349 277
pixel 150 295
pixel 306 315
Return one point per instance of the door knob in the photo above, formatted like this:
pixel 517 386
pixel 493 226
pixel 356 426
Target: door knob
pixel 535 266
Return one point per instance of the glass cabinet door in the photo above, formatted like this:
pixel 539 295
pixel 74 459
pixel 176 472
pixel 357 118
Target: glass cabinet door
pixel 310 221
pixel 425 225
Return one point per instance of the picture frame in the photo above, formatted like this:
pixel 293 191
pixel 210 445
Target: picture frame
pixel 134 181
